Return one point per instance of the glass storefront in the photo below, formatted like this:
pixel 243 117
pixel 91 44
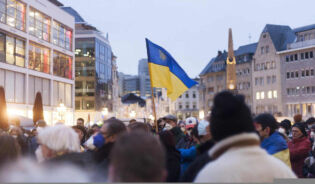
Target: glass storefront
pixel 62 65
pixel 39 25
pixel 13 13
pixel 39 58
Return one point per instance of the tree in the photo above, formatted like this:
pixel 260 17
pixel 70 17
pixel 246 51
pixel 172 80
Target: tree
pixel 4 124
pixel 38 110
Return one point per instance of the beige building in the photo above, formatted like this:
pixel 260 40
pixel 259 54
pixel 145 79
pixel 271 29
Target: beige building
pixel 298 77
pixel 213 77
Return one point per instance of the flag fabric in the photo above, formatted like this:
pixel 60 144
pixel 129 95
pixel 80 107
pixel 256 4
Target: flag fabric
pixel 166 73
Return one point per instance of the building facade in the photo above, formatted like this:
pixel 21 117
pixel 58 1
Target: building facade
pixel 187 105
pixel 213 77
pixel 266 78
pixel 36 55
pixel 298 77
pixel 144 78
pixel 93 82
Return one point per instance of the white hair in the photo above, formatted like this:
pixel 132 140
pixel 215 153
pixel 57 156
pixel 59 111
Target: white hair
pixel 26 171
pixel 59 138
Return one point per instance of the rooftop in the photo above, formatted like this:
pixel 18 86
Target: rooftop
pixel 77 16
pixel 304 28
pixel 56 2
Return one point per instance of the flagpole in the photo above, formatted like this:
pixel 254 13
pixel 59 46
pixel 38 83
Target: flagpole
pixel 152 94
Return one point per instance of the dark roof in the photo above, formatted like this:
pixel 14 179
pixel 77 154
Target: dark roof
pixel 304 28
pixel 56 2
pixel 280 35
pixel 242 50
pixel 246 49
pixel 74 13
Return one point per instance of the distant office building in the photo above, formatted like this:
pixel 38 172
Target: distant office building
pixel 93 83
pixel 36 55
pixel 144 78
pixel 131 84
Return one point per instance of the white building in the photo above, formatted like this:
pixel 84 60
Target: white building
pixel 36 55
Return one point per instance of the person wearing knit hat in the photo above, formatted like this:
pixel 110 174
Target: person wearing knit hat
pixel 299 147
pixel 237 152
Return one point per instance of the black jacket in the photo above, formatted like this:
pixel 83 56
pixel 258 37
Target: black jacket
pixel 172 165
pixel 81 160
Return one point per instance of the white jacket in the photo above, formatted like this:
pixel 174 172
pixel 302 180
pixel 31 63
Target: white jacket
pixel 240 159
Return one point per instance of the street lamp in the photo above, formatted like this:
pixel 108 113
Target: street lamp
pixel 105 112
pixel 132 114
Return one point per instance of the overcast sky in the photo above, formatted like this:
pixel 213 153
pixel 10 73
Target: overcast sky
pixel 191 30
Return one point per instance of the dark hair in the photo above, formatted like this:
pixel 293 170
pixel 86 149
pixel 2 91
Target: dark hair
pixel 80 119
pixel 230 116
pixel 132 121
pixel 137 126
pixel 167 138
pixel 310 121
pixel 83 130
pixel 301 127
pixel 194 132
pixel 286 124
pixel 267 120
pixel 114 126
pixel 10 149
pixel 133 160
pixel 297 118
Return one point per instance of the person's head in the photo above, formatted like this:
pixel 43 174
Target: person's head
pixel 310 121
pixel 80 121
pixel 297 118
pixel 132 121
pixel 10 149
pixel 195 135
pixel 298 131
pixel 16 132
pixel 138 126
pixel 230 116
pixel 190 123
pixel 285 125
pixel 132 160
pixel 171 120
pixel 204 131
pixel 57 140
pixel 265 125
pixel 95 128
pixel 80 130
pixel 182 126
pixel 111 129
pixel 161 123
pixel 167 139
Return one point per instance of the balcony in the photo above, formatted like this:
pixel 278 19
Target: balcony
pixel 302 44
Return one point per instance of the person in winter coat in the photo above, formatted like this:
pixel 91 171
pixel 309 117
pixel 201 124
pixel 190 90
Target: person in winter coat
pixel 299 147
pixel 237 155
pixel 172 156
pixel 271 140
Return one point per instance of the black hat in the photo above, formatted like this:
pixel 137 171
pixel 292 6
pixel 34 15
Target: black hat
pixel 230 116
pixel 300 126
pixel 310 120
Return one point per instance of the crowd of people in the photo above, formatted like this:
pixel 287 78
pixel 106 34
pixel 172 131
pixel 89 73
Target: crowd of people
pixel 231 145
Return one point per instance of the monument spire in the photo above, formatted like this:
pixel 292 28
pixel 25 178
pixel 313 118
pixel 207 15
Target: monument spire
pixel 230 65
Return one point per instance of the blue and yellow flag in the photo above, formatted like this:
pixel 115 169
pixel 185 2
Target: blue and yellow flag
pixel 166 73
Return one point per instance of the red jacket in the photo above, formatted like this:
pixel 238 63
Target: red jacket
pixel 299 150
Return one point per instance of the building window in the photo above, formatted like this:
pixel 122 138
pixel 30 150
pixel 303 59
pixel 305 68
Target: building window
pixel 257 95
pixel 187 105
pixel 287 58
pixel 88 104
pixel 303 73
pixel 77 105
pixel 288 75
pixel 62 36
pixel 307 73
pixel 291 57
pixel 302 55
pixel 273 64
pixel 268 79
pixel 12 12
pixel 311 54
pixel 13 50
pixel 39 25
pixel 63 65
pixel 297 74
pixel 295 57
pixel 39 58
pixel 275 94
pixel 306 55
pixel 267 49
pixel 312 72
pixel 269 94
pixel 180 105
pixel 194 94
pixel 262 95
pixel 187 95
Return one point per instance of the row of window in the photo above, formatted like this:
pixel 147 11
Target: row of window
pixel 86 104
pixel 304 73
pixel 14 85
pixel 260 95
pixel 13 13
pixel 245 71
pixel 268 108
pixel 187 105
pixel 259 81
pixel 303 55
pixel 187 95
pixel 243 85
pixel 12 51
pixel 265 66
pixel 301 90
pixel 264 50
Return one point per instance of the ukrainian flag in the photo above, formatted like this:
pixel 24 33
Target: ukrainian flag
pixel 166 73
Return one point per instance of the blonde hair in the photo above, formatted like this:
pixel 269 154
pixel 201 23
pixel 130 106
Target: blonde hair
pixel 59 138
